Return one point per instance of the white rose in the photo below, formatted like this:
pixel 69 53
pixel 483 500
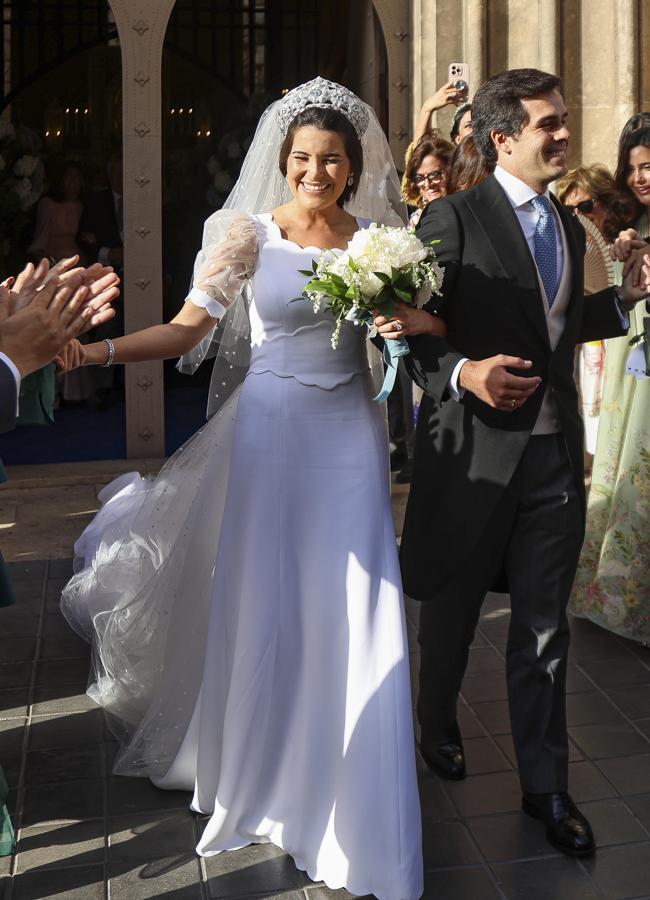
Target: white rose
pixel 26 166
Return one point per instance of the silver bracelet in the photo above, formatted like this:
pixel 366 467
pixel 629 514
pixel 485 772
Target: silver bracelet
pixel 111 353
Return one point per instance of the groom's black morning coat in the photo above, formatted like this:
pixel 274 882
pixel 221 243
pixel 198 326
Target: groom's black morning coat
pixel 466 452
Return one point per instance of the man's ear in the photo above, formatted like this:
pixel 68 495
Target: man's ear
pixel 502 142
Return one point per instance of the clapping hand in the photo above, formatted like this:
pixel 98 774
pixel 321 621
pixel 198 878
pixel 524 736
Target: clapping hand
pixel 71 357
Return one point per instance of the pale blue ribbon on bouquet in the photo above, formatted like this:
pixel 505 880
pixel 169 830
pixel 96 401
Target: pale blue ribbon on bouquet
pixel 394 348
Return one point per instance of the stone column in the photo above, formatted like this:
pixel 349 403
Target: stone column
pixel 141 27
pixel 474 41
pixel 627 60
pixel 548 40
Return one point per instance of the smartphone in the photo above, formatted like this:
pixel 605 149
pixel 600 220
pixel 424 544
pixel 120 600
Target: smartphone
pixel 459 72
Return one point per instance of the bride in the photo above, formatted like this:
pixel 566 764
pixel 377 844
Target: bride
pixel 245 607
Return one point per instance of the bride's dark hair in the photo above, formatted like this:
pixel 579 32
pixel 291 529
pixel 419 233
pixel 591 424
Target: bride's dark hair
pixel 328 120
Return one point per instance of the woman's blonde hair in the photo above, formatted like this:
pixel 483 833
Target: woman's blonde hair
pixel 598 181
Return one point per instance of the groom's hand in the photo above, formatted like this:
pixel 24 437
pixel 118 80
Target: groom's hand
pixel 636 283
pixel 490 381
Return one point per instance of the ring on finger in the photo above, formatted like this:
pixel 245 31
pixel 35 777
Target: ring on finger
pixel 397 325
pixel 513 404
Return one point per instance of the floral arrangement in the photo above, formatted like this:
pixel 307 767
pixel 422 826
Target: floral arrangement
pixel 21 184
pixel 380 266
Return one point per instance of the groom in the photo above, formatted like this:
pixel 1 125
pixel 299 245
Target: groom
pixel 498 488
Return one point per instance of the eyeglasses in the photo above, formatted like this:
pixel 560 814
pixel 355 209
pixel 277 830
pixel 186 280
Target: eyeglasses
pixel 585 206
pixel 430 177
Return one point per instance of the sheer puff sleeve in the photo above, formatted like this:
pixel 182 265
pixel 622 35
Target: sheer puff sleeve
pixel 227 259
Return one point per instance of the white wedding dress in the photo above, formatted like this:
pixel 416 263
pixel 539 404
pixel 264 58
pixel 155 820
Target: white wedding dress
pixel 249 632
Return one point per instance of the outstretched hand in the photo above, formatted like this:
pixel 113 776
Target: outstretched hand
pixel 490 381
pixel 407 321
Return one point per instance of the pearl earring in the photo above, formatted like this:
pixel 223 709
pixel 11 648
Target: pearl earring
pixel 350 180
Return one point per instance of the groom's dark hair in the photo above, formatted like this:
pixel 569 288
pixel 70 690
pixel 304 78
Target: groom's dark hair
pixel 497 105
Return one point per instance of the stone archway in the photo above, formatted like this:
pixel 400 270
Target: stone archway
pixel 393 16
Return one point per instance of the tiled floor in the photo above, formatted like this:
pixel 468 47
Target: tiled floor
pixel 84 833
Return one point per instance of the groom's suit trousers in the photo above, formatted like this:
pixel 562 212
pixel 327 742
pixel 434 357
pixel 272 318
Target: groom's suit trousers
pixel 534 534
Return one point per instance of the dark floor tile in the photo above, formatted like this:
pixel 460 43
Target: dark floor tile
pixel 595 644
pixel 27 572
pixel 19 623
pixel 15 675
pixel 17 649
pixel 62 671
pixel 621 872
pixel 481 688
pixel 70 801
pixel 484 659
pixel 13 703
pixel 469 725
pixel 82 883
pixel 62 699
pixel 151 835
pixel 12 732
pixel 54 625
pixel 320 892
pixel 49 732
pixel 558 878
pixel 11 764
pixel 60 568
pixel 479 794
pixel 643 725
pixel 614 673
pixel 629 774
pixel 577 681
pixel 586 782
pixel 64 647
pixel 136 795
pixel 591 708
pixel 258 869
pixel 602 741
pixel 80 763
pixel 448 844
pixel 483 755
pixel 634 700
pixel 510 837
pixel 495 631
pixel 613 823
pixel 61 845
pixel 495 715
pixel 434 800
pixel 459 884
pixel 640 806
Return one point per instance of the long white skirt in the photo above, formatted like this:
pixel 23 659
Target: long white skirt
pixel 300 730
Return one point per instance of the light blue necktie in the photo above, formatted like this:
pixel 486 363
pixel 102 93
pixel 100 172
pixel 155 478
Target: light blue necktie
pixel 546 246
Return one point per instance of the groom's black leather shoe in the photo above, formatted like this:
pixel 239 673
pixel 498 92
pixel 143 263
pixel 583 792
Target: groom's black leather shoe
pixel 566 828
pixel 447 760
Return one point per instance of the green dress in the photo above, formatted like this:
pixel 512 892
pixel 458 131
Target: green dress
pixel 612 586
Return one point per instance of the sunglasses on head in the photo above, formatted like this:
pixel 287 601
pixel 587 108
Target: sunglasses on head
pixel 429 177
pixel 585 206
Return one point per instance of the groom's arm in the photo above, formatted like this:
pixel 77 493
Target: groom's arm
pixel 432 360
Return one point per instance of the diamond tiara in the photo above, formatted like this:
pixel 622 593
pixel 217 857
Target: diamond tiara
pixel 322 94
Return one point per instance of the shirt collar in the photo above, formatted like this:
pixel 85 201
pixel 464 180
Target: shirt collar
pixel 517 191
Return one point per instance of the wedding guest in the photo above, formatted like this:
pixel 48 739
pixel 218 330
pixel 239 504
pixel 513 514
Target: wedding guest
pixel 55 237
pixel 467 167
pixel 101 233
pixel 591 191
pixel 461 124
pixel 638 120
pixel 444 96
pixel 612 586
pixel 425 174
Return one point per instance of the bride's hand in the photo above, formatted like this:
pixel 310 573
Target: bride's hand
pixel 407 321
pixel 71 357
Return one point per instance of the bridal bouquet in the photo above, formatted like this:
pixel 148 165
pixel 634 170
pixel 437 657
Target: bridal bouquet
pixel 380 266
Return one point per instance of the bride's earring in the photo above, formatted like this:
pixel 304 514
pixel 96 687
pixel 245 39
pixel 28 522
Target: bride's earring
pixel 350 180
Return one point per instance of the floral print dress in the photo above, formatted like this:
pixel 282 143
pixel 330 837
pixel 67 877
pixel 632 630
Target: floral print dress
pixel 612 586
